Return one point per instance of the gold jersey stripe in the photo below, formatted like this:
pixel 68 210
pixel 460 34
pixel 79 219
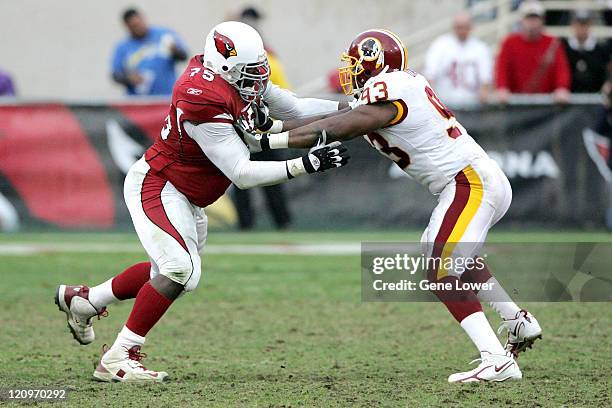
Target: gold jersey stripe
pixel 468 213
pixel 402 112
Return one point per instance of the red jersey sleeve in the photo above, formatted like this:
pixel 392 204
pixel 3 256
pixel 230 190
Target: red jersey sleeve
pixel 502 66
pixel 563 76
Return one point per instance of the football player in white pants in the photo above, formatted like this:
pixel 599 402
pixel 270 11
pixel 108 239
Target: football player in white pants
pixel 403 119
pixel 197 155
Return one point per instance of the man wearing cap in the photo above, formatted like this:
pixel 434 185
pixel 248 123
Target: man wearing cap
pixel 587 57
pixel 531 61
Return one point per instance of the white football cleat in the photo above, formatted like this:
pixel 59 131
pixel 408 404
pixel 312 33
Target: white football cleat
pixel 492 367
pixel 120 364
pixel 74 301
pixel 523 331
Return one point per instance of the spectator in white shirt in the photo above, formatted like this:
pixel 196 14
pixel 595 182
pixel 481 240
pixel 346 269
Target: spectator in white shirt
pixel 460 67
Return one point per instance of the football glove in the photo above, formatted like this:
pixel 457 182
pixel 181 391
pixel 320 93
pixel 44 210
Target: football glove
pixel 254 141
pixel 319 159
pixel 325 157
pixel 258 142
pixel 263 121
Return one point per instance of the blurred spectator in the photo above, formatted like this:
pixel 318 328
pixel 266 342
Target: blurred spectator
pixel 606 12
pixel 607 16
pixel 144 62
pixel 531 61
pixel 604 128
pixel 587 57
pixel 460 66
pixel 276 199
pixel 6 84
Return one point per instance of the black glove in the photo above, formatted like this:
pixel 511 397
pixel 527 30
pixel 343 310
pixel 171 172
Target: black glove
pixel 262 119
pixel 325 157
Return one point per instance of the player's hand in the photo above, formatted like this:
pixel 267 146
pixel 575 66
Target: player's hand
pixel 258 142
pixel 263 121
pixel 325 157
pixel 253 140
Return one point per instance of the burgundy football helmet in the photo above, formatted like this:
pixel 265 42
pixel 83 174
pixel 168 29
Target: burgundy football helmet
pixel 368 55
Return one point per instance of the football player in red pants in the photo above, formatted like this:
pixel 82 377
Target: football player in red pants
pixel 197 155
pixel 403 118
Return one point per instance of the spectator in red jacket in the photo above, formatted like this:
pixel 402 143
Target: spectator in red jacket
pixel 531 61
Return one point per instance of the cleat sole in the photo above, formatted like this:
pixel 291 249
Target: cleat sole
pixel 527 344
pixel 109 378
pixel 59 307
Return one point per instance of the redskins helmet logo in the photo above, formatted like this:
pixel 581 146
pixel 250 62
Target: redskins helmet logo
pixel 370 49
pixel 224 45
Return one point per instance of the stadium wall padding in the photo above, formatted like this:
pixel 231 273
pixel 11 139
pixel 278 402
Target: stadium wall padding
pixel 62 167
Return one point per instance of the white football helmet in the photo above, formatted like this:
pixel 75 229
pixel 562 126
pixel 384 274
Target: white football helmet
pixel 235 51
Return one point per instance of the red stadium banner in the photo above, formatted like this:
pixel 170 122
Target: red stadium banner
pixel 51 170
pixel 62 166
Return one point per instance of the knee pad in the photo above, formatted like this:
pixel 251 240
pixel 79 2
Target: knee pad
pixel 194 279
pixel 185 270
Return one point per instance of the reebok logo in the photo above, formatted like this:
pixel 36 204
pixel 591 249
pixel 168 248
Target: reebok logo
pixel 194 91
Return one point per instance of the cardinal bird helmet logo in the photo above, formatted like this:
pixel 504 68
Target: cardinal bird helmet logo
pixel 224 45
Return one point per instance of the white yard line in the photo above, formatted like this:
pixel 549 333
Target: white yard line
pixel 26 248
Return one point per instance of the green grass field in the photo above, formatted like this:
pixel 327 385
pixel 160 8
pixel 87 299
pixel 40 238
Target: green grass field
pixel 286 330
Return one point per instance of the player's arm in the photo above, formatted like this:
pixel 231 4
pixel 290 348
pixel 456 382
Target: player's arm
pixel 357 122
pixel 296 123
pixel 284 105
pixel 348 125
pixel 265 123
pixel 222 145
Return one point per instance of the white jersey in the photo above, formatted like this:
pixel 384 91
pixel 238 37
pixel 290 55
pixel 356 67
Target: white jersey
pixel 458 69
pixel 424 139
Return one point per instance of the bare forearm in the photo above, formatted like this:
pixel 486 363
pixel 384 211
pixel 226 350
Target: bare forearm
pixel 307 136
pixel 296 123
pixel 339 127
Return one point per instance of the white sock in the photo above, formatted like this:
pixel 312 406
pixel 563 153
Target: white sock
pixel 102 295
pixel 478 328
pixel 499 300
pixel 128 339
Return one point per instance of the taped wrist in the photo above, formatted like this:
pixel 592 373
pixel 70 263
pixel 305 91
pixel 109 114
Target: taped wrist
pixel 295 167
pixel 276 127
pixel 279 140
